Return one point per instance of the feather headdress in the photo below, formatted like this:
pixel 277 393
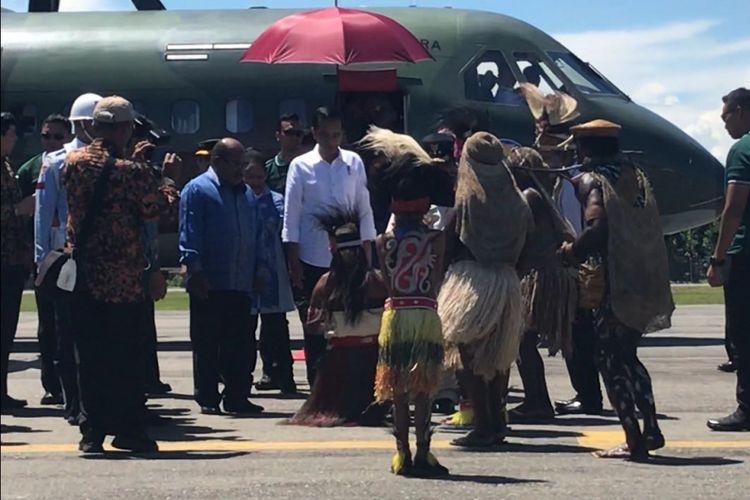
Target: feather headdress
pixel 405 169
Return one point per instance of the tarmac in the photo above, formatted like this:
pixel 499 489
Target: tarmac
pixel 259 457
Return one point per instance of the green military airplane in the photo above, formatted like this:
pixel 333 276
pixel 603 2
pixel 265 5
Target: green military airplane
pixel 182 69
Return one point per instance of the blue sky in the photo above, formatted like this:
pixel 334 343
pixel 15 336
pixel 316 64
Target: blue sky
pixel 676 57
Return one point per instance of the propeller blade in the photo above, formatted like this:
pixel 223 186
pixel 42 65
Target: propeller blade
pixel 149 5
pixel 44 5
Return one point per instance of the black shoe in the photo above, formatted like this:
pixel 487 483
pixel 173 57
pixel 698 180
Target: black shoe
pixel 158 388
pixel 523 414
pixel 91 442
pixel 728 367
pixel 288 388
pixel 575 407
pixel 444 406
pixel 138 443
pixel 51 399
pixel 565 402
pixel 266 383
pixel 241 407
pixel 9 403
pixel 735 422
pixel 211 410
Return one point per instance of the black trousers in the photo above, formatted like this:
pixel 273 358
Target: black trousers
pixel 107 346
pixel 274 346
pixel 149 345
pixel 66 365
pixel 582 363
pixel 47 337
pixel 315 345
pixel 224 347
pixel 737 309
pixel 626 379
pixel 11 293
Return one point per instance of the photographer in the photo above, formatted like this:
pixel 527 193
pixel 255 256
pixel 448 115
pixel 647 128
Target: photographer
pixel 105 234
pixel 147 136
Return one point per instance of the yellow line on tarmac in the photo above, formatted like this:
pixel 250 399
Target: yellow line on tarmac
pixel 220 445
pixel 608 439
pixel 598 440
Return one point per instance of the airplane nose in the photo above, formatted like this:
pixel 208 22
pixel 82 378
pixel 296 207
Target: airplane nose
pixel 688 182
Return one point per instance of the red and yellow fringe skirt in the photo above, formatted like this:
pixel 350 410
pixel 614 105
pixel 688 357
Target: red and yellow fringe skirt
pixel 410 358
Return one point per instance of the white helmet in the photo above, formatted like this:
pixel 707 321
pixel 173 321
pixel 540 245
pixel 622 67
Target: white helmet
pixel 83 107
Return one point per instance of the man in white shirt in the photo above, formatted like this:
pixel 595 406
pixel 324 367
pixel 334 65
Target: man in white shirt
pixel 326 177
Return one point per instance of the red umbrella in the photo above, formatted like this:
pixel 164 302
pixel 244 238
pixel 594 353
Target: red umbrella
pixel 336 36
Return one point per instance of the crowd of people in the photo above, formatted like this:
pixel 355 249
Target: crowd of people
pixel 483 253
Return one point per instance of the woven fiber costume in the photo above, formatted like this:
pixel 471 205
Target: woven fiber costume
pixel 480 302
pixel 346 304
pixel 410 362
pixel 624 236
pixel 549 289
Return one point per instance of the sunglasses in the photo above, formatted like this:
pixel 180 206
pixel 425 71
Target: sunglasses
pixel 57 137
pixel 293 132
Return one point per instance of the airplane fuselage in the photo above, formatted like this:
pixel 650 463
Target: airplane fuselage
pixel 182 69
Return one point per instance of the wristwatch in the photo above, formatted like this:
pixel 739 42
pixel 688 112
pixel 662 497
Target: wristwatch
pixel 716 262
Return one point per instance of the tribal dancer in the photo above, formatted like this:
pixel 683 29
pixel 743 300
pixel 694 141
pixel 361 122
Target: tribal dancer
pixel 480 302
pixel 554 114
pixel 346 304
pixel 624 237
pixel 411 342
pixel 549 289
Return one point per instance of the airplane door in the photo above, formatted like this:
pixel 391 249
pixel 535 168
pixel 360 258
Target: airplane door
pixel 371 98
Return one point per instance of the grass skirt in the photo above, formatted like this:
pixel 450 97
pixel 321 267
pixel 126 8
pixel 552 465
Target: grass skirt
pixel 410 361
pixel 550 298
pixel 342 392
pixel 482 311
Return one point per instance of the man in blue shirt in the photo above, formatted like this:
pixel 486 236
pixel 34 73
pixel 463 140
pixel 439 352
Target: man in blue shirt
pixel 217 245
pixel 273 295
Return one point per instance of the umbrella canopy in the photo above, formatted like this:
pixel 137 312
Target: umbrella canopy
pixel 336 36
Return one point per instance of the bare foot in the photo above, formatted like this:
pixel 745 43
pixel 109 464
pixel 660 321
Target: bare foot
pixel 622 452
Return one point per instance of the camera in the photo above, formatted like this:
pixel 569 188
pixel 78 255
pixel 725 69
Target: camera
pixel 145 129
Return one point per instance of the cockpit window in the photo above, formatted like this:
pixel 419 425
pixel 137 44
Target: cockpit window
pixel 583 76
pixel 537 72
pixel 490 79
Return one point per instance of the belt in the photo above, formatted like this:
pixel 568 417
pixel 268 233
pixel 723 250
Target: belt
pixel 394 303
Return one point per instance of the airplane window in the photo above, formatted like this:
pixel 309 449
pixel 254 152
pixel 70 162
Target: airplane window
pixel 186 117
pixel 239 116
pixel 537 72
pixel 582 75
pixel 491 80
pixel 296 106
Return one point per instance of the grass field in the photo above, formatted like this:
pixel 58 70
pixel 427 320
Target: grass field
pixel 683 296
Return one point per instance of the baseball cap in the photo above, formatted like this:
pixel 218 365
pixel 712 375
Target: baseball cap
pixel 114 109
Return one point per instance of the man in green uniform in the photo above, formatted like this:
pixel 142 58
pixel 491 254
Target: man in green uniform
pixel 289 135
pixel 730 263
pixel 55 132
